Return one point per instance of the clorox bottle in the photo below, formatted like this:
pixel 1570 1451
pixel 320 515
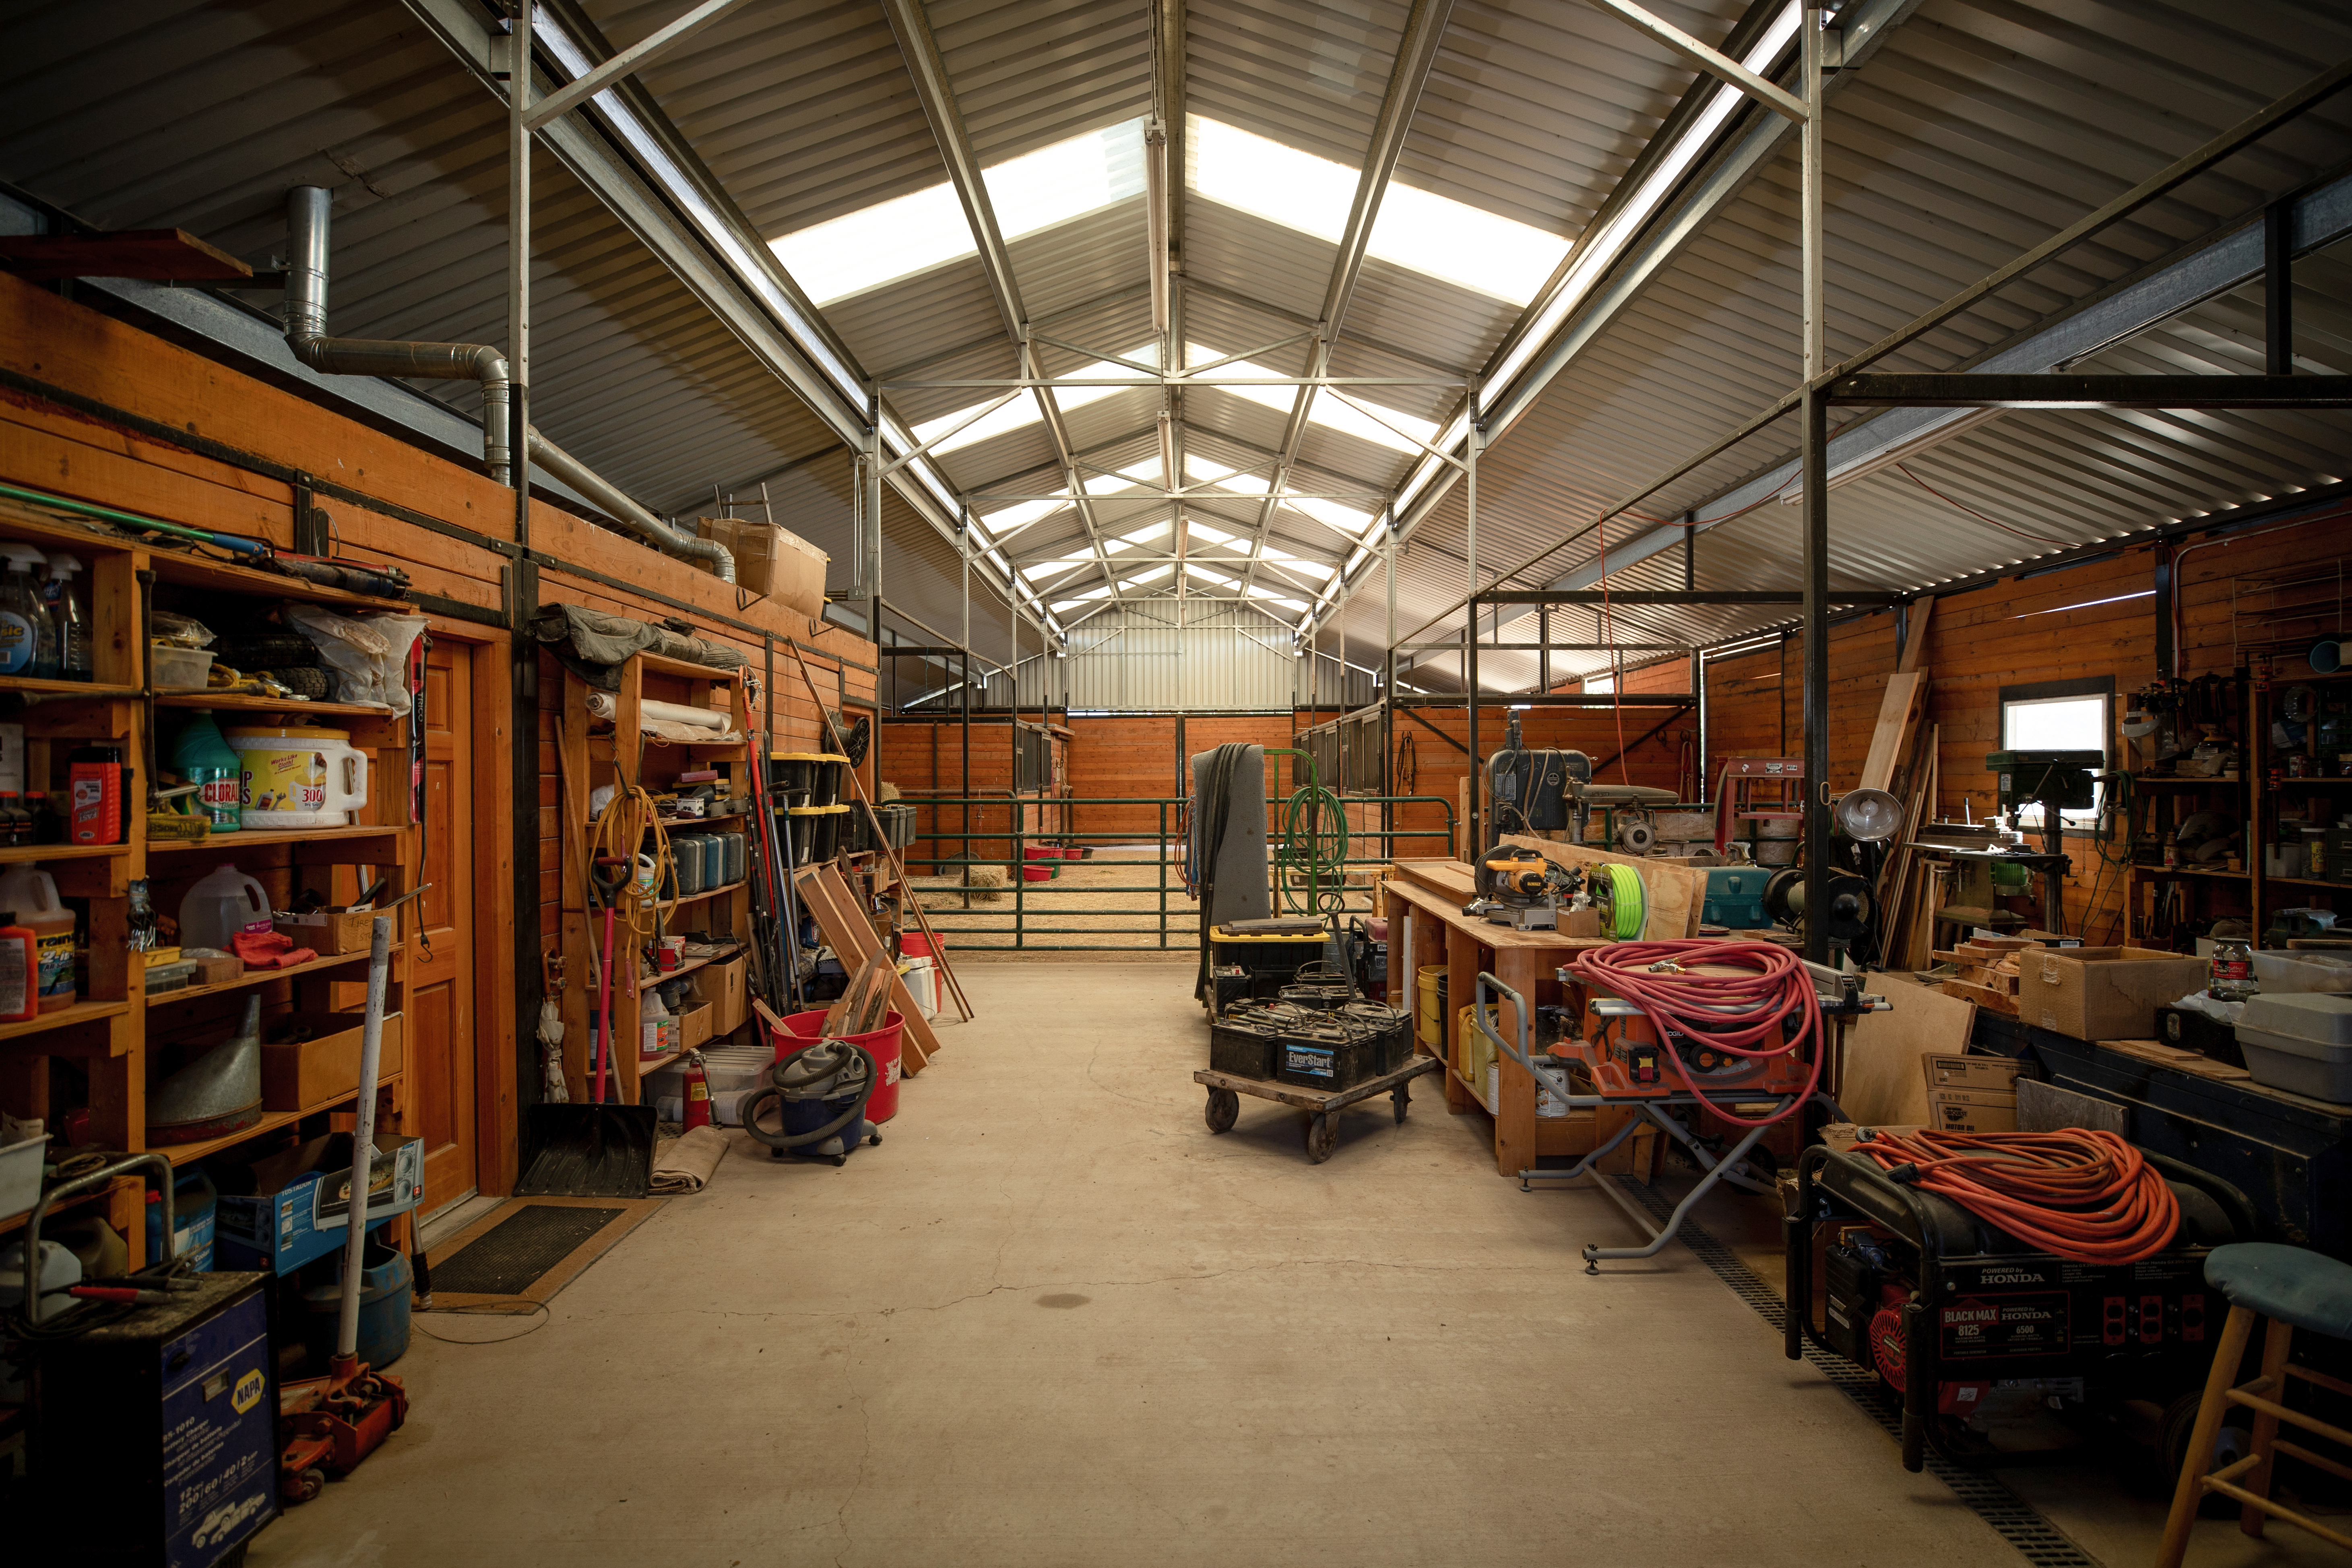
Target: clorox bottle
pixel 202 757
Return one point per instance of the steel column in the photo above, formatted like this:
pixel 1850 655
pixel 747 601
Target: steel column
pixel 2278 288
pixel 1816 415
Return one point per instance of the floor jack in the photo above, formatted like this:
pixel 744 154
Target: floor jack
pixel 326 1426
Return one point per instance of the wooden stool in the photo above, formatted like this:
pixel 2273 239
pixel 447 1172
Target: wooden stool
pixel 2294 1290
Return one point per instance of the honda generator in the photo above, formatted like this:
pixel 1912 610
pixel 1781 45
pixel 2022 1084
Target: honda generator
pixel 1981 1336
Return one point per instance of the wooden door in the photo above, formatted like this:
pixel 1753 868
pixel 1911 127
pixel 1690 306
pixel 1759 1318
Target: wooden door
pixel 441 970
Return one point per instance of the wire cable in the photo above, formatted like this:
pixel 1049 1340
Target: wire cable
pixel 1905 469
pixel 2085 1195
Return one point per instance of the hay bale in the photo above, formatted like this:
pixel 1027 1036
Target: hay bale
pixel 885 793
pixel 983 885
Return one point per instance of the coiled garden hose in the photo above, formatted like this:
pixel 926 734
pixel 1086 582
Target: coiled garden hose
pixel 1314 840
pixel 799 1071
pixel 1628 906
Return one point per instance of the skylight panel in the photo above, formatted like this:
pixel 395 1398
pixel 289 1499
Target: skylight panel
pixel 1334 515
pixel 1025 411
pixel 1420 230
pixel 1328 412
pixel 1201 471
pixel 910 234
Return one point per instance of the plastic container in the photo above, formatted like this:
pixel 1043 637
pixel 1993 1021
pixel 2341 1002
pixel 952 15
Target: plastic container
pixel 158 978
pixel 915 945
pixel 734 858
pixel 1433 1006
pixel 222 905
pixel 2300 1042
pixel 384 1285
pixel 202 756
pixel 299 777
pixel 65 602
pixel 180 669
pixel 33 895
pixel 102 785
pixel 685 861
pixel 2293 972
pixel 20 971
pixel 20 1175
pixel 25 629
pixel 804 1030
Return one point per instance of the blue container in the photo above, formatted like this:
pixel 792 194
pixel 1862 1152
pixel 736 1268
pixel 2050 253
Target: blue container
pixel 192 1198
pixel 384 1310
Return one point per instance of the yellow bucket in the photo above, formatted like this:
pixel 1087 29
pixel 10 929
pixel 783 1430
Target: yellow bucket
pixel 1477 1059
pixel 1431 1020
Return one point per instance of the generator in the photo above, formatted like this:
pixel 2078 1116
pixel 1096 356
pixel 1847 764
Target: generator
pixel 1975 1330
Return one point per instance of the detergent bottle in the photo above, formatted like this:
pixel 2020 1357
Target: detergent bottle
pixel 216 910
pixel 32 893
pixel 202 757
pixel 22 615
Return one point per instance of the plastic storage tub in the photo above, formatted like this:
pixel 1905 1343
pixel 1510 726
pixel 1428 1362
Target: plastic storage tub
pixel 20 1175
pixel 2300 1042
pixel 180 669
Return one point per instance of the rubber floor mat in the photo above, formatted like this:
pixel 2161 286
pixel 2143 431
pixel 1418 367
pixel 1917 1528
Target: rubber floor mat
pixel 511 1258
pixel 529 1248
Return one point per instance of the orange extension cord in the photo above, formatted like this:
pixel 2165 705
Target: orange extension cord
pixel 1775 987
pixel 2085 1195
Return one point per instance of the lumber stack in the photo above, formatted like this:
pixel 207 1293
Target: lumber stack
pixel 1986 972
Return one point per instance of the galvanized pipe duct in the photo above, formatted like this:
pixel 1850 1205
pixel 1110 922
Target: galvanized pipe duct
pixel 306 224
pixel 306 212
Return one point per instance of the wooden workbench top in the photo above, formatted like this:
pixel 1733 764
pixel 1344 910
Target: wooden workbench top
pixel 1447 907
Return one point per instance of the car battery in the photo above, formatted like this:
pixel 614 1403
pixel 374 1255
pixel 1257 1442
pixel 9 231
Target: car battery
pixel 1273 958
pixel 155 1435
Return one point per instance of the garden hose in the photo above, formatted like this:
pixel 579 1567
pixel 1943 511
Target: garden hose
pixel 2085 1195
pixel 1742 1015
pixel 1314 840
pixel 1628 909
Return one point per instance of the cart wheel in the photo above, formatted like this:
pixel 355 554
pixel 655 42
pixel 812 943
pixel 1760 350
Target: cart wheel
pixel 1322 1137
pixel 1224 1106
pixel 306 1486
pixel 1402 1096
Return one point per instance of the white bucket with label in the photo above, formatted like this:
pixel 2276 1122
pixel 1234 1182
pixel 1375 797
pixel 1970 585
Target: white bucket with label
pixel 298 777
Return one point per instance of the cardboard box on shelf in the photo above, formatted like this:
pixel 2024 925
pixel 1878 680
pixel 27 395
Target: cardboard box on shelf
pixel 1995 1074
pixel 693 1027
pixel 298 1074
pixel 280 1212
pixel 1971 1111
pixel 330 933
pixel 2101 993
pixel 721 985
pixel 771 560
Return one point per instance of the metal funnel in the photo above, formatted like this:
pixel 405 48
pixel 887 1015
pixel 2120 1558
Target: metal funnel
pixel 219 1092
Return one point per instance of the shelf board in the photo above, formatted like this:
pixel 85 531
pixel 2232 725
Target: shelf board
pixel 217 843
pixel 96 1194
pixel 79 1013
pixel 2188 871
pixel 220 576
pixel 19 852
pixel 661 664
pixel 675 822
pixel 712 893
pixel 271 1120
pixel 261 977
pixel 664 976
pixel 2311 882
pixel 64 687
pixel 242 702
pixel 2288 784
pixel 2141 781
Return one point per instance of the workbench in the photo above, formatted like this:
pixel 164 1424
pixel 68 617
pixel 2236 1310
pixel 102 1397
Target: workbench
pixel 1422 900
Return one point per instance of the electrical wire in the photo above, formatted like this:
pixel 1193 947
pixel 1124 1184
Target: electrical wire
pixel 1741 1015
pixel 1905 469
pixel 511 1307
pixel 2085 1195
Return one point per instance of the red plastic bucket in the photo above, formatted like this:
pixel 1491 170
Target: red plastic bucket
pixel 1072 852
pixel 804 1030
pixel 914 945
pixel 1036 873
pixel 1041 852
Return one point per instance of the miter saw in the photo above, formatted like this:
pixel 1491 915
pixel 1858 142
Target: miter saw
pixel 1520 888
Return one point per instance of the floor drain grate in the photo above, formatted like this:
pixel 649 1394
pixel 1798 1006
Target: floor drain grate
pixel 2011 1516
pixel 510 1259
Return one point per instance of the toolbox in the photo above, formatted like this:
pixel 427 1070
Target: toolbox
pixel 1272 959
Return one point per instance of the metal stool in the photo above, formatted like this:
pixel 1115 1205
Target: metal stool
pixel 2294 1290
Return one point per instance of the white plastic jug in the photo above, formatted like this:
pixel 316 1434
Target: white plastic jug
pixel 32 894
pixel 298 777
pixel 216 909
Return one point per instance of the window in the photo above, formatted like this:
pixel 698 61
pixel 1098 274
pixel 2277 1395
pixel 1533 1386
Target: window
pixel 2059 716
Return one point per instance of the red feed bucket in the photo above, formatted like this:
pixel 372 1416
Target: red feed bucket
pixel 1072 852
pixel 1041 852
pixel 914 945
pixel 1036 873
pixel 803 1030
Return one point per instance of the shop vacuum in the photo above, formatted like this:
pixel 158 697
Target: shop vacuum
pixel 817 1096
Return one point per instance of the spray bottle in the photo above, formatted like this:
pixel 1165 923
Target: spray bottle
pixel 22 616
pixel 71 620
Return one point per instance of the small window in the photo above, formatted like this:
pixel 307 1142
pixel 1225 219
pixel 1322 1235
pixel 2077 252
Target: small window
pixel 2059 716
pixel 1599 685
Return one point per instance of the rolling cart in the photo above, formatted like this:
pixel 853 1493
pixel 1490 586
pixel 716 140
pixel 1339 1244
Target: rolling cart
pixel 1226 1089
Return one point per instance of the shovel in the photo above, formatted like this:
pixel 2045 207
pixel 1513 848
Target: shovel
pixel 593 1150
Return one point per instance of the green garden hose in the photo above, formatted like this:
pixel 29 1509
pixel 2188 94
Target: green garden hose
pixel 1628 912
pixel 1312 843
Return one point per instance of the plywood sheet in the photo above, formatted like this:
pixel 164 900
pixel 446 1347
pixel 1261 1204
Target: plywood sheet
pixel 1676 893
pixel 1885 1083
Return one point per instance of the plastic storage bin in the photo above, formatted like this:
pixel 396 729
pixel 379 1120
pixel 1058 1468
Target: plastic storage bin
pixel 2300 1042
pixel 20 1176
pixel 181 669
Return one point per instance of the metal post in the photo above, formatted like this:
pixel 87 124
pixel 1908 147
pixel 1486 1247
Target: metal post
pixel 519 267
pixel 873 541
pixel 2278 289
pixel 1472 439
pixel 1815 438
pixel 1543 654
pixel 1388 702
pixel 523 576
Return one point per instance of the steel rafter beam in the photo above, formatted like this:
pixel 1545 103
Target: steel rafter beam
pixel 1424 29
pixel 629 61
pixel 911 25
pixel 2057 389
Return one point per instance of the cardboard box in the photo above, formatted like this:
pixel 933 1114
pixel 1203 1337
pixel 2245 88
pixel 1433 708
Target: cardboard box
pixel 771 560
pixel 1971 1111
pixel 2101 993
pixel 721 985
pixel 1997 1075
pixel 694 1028
pixel 332 932
pixel 280 1212
pixel 297 1075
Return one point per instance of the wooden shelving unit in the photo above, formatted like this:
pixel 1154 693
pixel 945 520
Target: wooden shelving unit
pixel 2159 897
pixel 598 752
pixel 103 1053
pixel 2319 799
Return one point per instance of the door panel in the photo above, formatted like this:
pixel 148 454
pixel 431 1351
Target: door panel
pixel 441 967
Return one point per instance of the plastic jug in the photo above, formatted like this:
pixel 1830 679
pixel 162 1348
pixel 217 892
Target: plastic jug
pixel 33 895
pixel 216 909
pixel 299 777
pixel 202 757
pixel 26 632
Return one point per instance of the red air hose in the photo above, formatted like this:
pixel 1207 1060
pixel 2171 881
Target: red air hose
pixel 1775 987
pixel 2085 1195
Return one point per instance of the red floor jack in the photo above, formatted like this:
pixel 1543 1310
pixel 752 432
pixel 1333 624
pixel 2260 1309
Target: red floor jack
pixel 326 1426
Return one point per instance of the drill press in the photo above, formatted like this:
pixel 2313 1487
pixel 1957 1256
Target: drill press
pixel 2057 782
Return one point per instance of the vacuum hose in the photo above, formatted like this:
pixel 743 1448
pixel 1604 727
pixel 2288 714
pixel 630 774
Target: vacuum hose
pixel 803 1071
pixel 1739 1014
pixel 2085 1195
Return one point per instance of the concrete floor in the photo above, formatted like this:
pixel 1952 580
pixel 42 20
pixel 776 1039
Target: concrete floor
pixel 1052 1321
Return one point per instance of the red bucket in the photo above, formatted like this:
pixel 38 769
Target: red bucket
pixel 804 1030
pixel 1036 873
pixel 914 945
pixel 1072 852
